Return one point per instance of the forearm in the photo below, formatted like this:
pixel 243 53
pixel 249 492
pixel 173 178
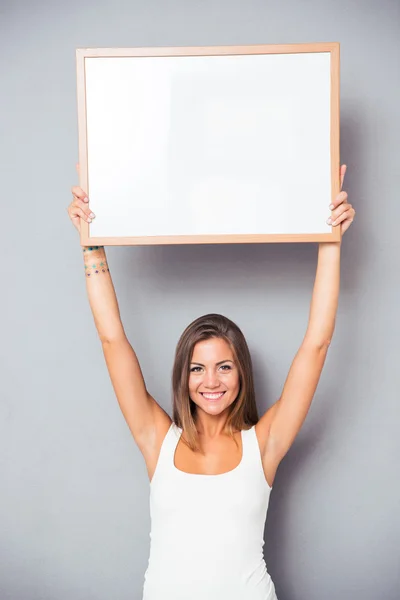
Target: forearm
pixel 102 298
pixel 325 297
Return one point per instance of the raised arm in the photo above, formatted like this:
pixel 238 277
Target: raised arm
pixel 279 426
pixel 146 419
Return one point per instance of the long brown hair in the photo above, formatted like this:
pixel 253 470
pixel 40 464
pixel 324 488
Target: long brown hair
pixel 243 412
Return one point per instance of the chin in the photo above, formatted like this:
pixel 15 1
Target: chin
pixel 213 410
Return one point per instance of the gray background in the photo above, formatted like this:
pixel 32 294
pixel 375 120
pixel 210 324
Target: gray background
pixel 74 517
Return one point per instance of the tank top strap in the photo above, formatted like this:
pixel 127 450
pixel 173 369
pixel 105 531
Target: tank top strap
pixel 251 450
pixel 168 447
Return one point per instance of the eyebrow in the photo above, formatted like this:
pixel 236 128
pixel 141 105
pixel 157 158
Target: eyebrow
pixel 218 363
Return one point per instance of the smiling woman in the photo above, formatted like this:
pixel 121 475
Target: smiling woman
pixel 211 357
pixel 212 466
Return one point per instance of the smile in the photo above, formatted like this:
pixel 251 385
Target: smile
pixel 208 396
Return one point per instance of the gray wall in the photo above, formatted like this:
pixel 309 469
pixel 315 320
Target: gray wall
pixel 74 515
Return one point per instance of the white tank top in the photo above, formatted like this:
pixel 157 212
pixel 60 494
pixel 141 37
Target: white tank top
pixel 206 540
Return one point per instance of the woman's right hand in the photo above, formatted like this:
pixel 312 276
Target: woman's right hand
pixel 79 207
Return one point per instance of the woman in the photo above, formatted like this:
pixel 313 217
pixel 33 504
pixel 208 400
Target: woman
pixel 212 467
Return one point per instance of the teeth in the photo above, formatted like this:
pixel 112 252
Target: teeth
pixel 213 396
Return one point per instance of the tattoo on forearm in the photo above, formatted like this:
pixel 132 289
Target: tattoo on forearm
pixel 94 268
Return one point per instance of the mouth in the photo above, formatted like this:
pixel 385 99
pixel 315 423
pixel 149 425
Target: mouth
pixel 212 397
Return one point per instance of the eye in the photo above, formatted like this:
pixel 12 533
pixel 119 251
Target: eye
pixel 193 369
pixel 227 367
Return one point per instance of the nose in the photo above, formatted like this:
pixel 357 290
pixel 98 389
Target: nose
pixel 211 380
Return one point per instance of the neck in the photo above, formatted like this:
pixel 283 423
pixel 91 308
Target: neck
pixel 211 426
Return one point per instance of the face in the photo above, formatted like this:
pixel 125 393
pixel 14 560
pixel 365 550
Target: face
pixel 214 377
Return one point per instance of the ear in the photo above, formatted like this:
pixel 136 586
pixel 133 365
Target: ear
pixel 343 170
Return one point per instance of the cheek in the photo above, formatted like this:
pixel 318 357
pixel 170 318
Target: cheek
pixel 191 382
pixel 233 380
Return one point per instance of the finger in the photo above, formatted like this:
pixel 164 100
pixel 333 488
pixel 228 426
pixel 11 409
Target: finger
pixel 342 217
pixel 343 208
pixel 340 209
pixel 79 193
pixel 84 207
pixel 337 213
pixel 76 211
pixel 340 198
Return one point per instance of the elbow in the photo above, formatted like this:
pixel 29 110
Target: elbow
pixel 112 338
pixel 318 344
pixel 325 345
pixel 112 333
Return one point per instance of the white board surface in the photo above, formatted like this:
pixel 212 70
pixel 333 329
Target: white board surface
pixel 209 145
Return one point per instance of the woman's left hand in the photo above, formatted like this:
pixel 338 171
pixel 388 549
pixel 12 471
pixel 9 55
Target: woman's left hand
pixel 342 212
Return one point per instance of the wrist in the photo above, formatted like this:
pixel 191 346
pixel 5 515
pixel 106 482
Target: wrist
pixel 332 247
pixel 92 248
pixel 95 260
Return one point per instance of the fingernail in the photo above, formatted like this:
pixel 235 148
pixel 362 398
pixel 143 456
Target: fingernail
pixel 91 215
pixel 331 207
pixel 86 199
pixel 329 221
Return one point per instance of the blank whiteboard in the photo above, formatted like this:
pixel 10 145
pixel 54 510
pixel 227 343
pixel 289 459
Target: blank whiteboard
pixel 209 144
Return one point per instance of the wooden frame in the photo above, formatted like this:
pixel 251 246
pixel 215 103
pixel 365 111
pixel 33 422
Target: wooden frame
pixel 82 55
